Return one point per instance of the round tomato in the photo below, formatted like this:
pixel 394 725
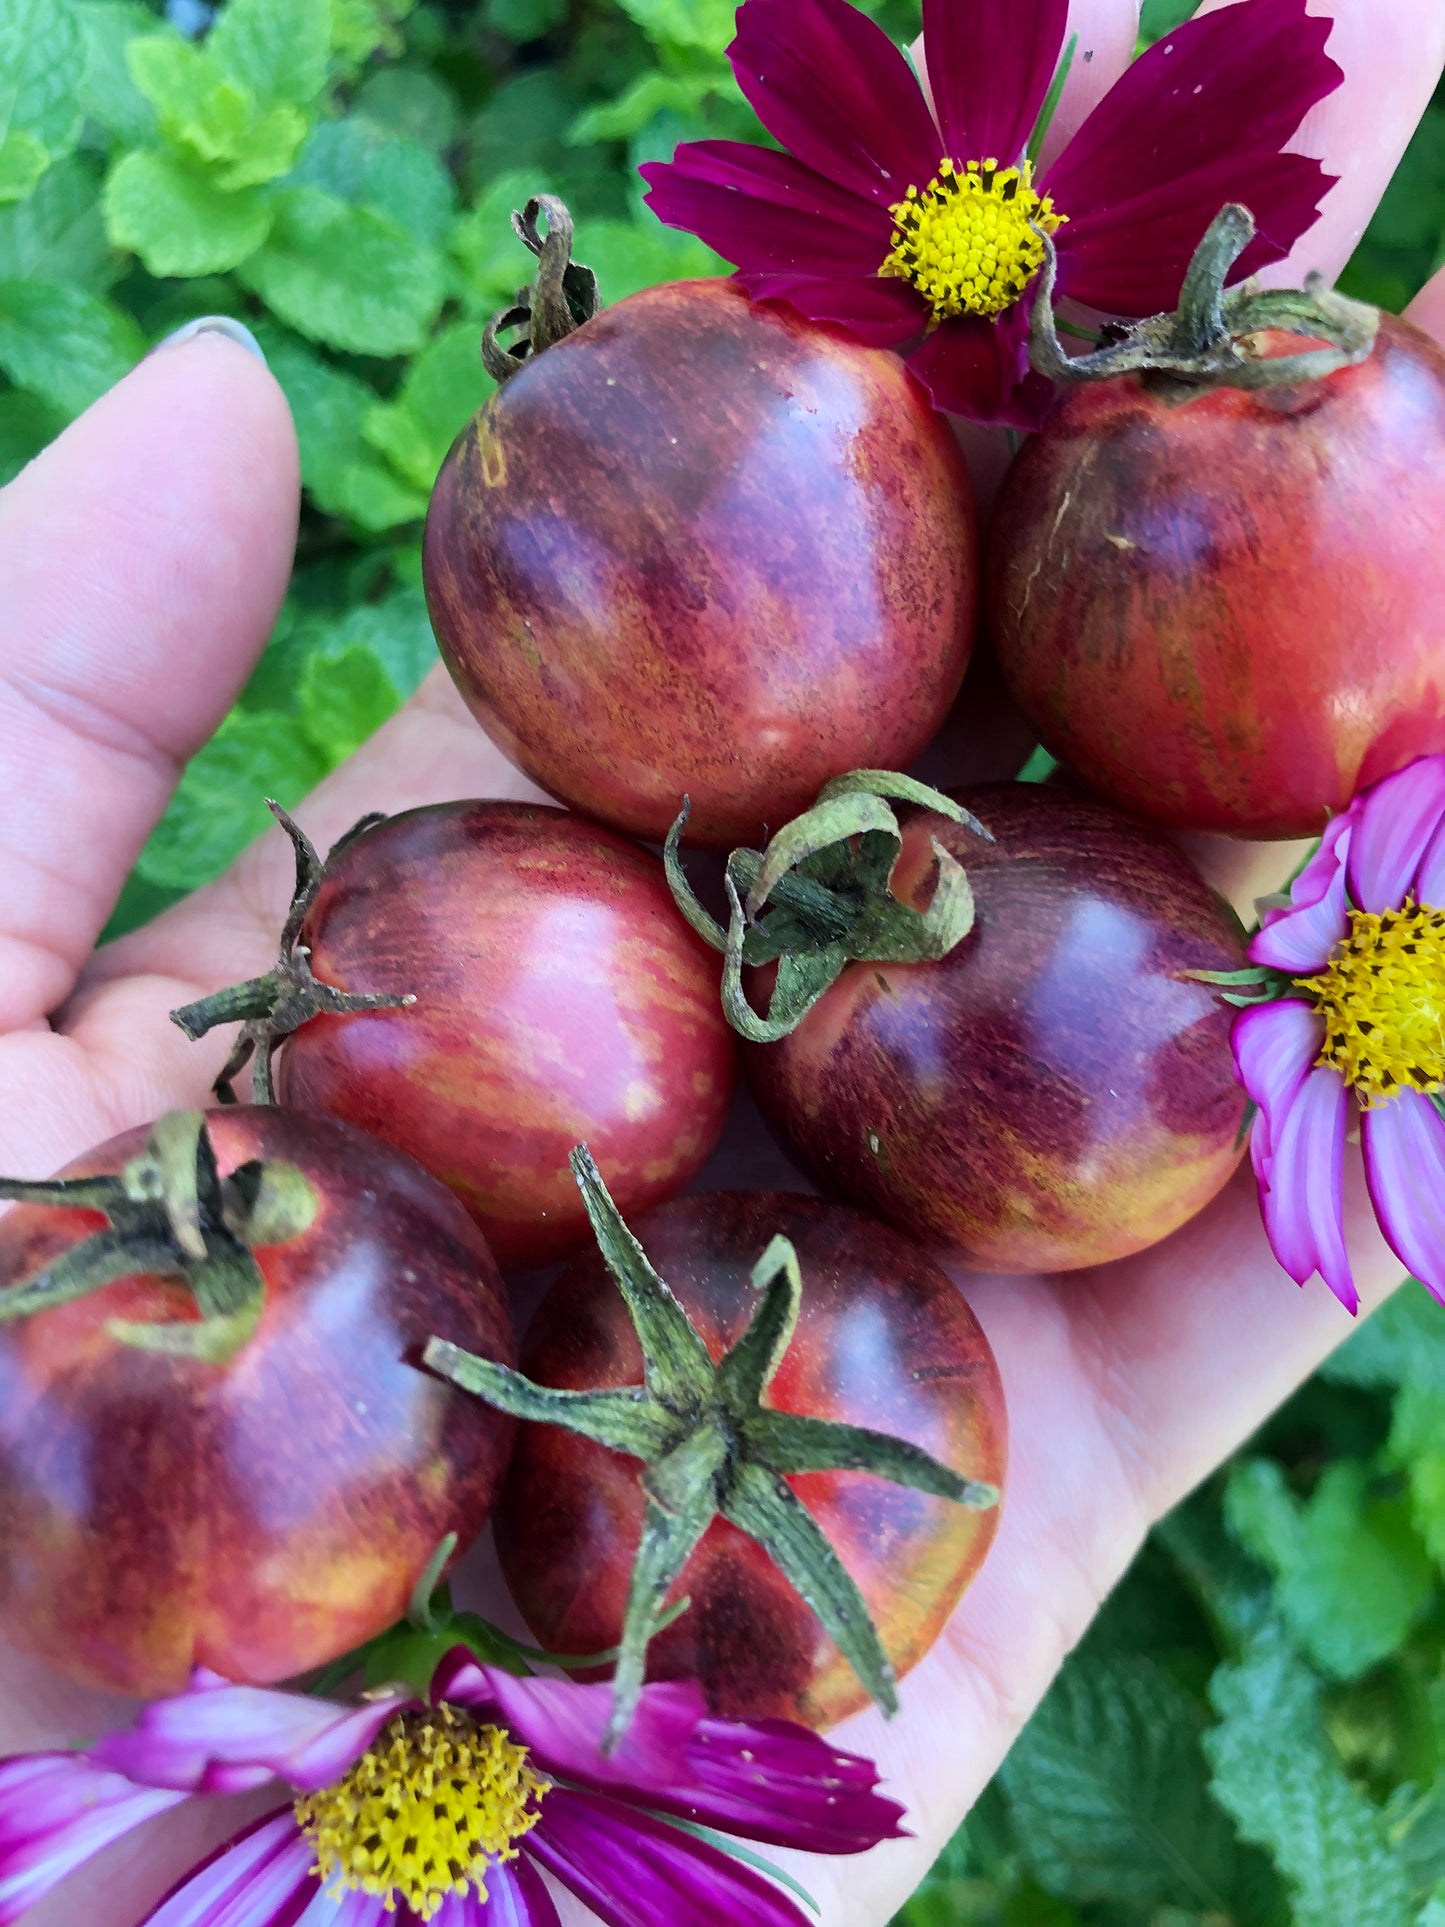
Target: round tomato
pixel 1056 1092
pixel 265 1515
pixel 1222 608
pixel 559 999
pixel 884 1341
pixel 709 548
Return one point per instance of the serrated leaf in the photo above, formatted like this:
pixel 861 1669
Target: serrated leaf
pixel 444 388
pixel 276 48
pixel 1353 1575
pixel 40 54
pixel 27 424
pixel 346 275
pixel 220 803
pixel 216 119
pixel 57 233
pixel 22 162
pixel 106 89
pixel 177 221
pixel 359 161
pixel 649 95
pixel 708 25
pixel 63 344
pixel 344 697
pixel 1108 1791
pixel 1275 1772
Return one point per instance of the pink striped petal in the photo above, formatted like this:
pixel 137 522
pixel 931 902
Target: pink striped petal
pixel 1275 1048
pixel 990 66
pixel 56 1811
pixel 517 1896
pixel 1405 1169
pixel 261 1879
pixel 1395 824
pixel 1299 940
pixel 1430 884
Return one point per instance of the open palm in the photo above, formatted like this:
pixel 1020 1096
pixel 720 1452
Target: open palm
pixel 143 558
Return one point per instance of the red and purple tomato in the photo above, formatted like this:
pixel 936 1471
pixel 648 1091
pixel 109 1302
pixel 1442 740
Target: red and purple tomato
pixel 884 1340
pixel 559 1000
pixel 1059 1091
pixel 709 548
pixel 265 1516
pixel 1223 609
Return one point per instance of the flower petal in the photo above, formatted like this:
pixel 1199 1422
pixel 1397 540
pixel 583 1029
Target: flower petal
pixel 1430 884
pixel 980 370
pixel 634 1871
pixel 1405 1169
pixel 262 1878
pixel 761 209
pixel 1395 823
pixel 1299 940
pixel 885 314
pixel 56 1811
pixel 1198 116
pixel 835 91
pixel 1275 1048
pixel 219 1738
pixel 517 1896
pixel 990 66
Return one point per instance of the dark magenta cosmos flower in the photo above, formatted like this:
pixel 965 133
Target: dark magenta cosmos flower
pixel 914 230
pixel 442 1811
pixel 1353 977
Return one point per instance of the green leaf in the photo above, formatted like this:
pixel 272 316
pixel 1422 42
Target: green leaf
pixel 1417 1443
pixel 63 344
pixel 1433 1914
pixel 1405 1336
pixel 217 120
pixel 106 89
pixel 220 804
pixel 22 162
pixel 1108 1791
pixel 1353 1575
pixel 649 95
pixel 40 55
pixel 277 49
pixel 361 29
pixel 627 255
pixel 524 20
pixel 1276 1773
pixel 708 25
pixel 346 275
pixel 177 221
pixel 360 161
pixel 444 388
pixel 27 425
pixel 344 698
pixel 411 102
pixel 57 234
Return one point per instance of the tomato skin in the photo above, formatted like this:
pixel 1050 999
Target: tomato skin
pixel 704 547
pixel 262 1517
pixel 884 1340
pixel 1225 613
pixel 1054 1093
pixel 560 1000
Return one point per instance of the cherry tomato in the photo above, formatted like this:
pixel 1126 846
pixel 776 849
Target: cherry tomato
pixel 1223 608
pixel 559 998
pixel 706 547
pixel 884 1340
pixel 263 1516
pixel 1058 1091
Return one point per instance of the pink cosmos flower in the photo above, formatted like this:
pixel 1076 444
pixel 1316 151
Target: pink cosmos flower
pixel 913 229
pixel 1351 978
pixel 443 1811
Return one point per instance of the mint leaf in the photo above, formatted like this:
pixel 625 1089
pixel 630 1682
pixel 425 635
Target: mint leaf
pixel 1405 1335
pixel 627 256
pixel 1417 1443
pixel 57 234
pixel 361 29
pixel 106 88
pixel 179 222
pixel 649 95
pixel 346 275
pixel 524 20
pixel 1434 1912
pixel 22 162
pixel 40 53
pixel 1353 1576
pixel 359 161
pixel 220 804
pixel 62 344
pixel 276 48
pixel 27 425
pixel 1275 1771
pixel 344 698
pixel 708 25
pixel 216 119
pixel 412 102
pixel 444 388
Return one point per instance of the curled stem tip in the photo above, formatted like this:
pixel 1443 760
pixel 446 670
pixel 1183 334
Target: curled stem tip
pixel 562 298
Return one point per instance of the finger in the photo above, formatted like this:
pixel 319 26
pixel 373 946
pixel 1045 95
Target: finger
pixel 1392 53
pixel 144 557
pixel 1427 310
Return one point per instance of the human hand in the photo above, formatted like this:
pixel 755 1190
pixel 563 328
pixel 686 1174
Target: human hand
pixel 144 558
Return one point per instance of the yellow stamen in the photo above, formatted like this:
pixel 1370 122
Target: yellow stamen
pixel 1382 996
pixel 435 1801
pixel 966 242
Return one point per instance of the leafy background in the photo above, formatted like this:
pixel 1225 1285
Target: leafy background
pixel 1254 1731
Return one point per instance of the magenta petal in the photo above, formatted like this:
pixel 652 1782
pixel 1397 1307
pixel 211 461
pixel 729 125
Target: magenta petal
pixel 634 1871
pixel 990 63
pixel 833 89
pixel 1395 824
pixel 761 209
pixel 980 370
pixel 785 1786
pixel 885 314
pixel 1405 1169
pixel 261 1879
pixel 56 1811
pixel 517 1896
pixel 1131 257
pixel 1430 884
pixel 219 1738
pixel 1299 940
pixel 1275 1048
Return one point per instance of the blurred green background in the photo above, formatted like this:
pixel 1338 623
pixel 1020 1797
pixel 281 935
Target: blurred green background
pixel 1254 1731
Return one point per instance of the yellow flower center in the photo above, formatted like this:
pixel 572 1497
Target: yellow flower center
pixel 1382 996
pixel 435 1801
pixel 966 242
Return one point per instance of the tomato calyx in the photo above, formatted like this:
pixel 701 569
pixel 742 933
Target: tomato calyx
pixel 562 299
pixel 711 1447
pixel 1210 341
pixel 272 1007
pixel 171 1215
pixel 820 897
